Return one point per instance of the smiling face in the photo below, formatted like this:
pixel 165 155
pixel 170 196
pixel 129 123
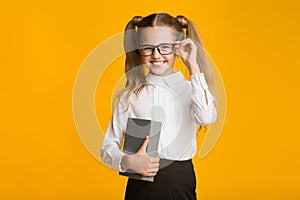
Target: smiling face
pixel 158 64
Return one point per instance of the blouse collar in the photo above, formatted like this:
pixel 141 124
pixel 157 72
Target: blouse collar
pixel 169 80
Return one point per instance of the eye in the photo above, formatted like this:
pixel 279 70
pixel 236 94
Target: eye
pixel 146 48
pixel 165 46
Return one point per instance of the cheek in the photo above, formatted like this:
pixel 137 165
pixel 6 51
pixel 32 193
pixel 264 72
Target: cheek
pixel 144 59
pixel 171 58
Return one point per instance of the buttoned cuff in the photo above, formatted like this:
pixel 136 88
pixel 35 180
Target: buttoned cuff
pixel 120 166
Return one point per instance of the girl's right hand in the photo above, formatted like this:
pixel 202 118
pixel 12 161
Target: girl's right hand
pixel 140 162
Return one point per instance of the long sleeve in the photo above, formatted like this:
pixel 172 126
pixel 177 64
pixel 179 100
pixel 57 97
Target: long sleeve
pixel 110 150
pixel 203 110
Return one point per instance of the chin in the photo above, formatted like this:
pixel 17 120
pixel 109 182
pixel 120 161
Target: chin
pixel 161 72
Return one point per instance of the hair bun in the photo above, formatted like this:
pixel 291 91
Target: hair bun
pixel 182 21
pixel 137 20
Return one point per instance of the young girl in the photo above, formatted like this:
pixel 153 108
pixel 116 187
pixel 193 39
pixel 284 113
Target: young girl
pixel 164 95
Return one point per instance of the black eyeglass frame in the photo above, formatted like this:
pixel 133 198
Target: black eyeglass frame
pixel 158 49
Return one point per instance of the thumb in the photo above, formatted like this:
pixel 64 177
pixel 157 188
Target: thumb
pixel 144 146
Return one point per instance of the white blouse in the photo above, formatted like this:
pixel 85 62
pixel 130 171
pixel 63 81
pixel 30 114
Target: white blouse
pixel 178 103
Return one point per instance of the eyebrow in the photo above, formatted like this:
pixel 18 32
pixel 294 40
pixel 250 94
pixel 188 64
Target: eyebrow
pixel 146 45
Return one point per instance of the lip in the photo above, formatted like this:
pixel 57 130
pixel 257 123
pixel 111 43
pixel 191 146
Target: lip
pixel 158 61
pixel 158 65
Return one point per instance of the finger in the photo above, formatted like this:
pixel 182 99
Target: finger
pixel 186 46
pixel 155 166
pixel 181 53
pixel 180 41
pixel 180 44
pixel 188 42
pixel 144 145
pixel 154 171
pixel 149 174
pixel 155 159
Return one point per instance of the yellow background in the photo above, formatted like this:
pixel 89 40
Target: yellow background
pixel 255 45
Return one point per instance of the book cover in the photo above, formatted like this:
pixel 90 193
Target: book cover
pixel 136 132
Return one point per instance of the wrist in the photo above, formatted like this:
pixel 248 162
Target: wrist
pixel 194 68
pixel 125 162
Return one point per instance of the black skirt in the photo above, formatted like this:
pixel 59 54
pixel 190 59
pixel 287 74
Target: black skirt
pixel 175 180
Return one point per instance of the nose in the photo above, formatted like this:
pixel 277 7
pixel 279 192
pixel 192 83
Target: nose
pixel 155 54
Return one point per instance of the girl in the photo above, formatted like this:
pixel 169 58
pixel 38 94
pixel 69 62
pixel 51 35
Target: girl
pixel 164 95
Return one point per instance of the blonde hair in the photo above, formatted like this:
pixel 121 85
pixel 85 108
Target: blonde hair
pixel 134 69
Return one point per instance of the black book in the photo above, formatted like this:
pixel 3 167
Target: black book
pixel 136 132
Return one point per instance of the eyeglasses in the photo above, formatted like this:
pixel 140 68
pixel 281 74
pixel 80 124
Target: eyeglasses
pixel 163 49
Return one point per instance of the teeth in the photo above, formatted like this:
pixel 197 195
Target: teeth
pixel 158 63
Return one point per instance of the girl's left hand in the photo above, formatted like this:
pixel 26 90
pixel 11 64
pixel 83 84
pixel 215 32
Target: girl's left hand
pixel 188 51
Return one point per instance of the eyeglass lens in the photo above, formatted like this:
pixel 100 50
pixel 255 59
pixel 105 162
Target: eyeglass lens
pixel 163 49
